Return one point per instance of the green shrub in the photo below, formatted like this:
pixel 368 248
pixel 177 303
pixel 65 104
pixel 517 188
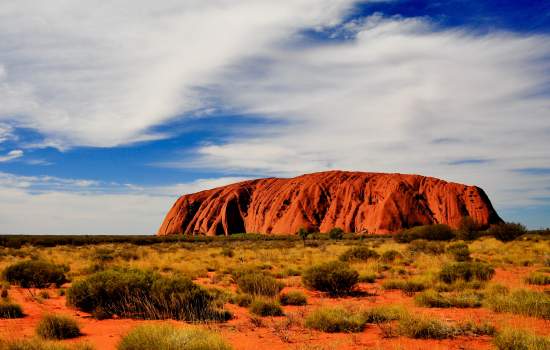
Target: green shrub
pixel 141 294
pixel 265 308
pixel 508 231
pixel 425 328
pixel 57 327
pixel 538 279
pixel 436 232
pixel 243 300
pixel 10 310
pixel 466 271
pixel 293 298
pixel 335 278
pixel 359 254
pixel 407 286
pixel 334 320
pixel 390 256
pixel 468 229
pixel 431 298
pixel 515 339
pixel 426 247
pixel 35 274
pixel 459 251
pixel 168 337
pixel 521 301
pixel 381 314
pixel 336 233
pixel 258 283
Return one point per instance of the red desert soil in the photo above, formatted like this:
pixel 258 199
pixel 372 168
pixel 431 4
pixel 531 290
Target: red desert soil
pixel 353 201
pixel 280 333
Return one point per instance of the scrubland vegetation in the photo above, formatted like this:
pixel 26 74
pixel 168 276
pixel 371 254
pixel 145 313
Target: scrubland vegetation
pixel 424 283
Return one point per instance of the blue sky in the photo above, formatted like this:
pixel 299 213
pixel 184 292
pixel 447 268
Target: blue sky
pixel 108 112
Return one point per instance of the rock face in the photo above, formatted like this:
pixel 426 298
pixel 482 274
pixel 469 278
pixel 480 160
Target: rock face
pixel 354 201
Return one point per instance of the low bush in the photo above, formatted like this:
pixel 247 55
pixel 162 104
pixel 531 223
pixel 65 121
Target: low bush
pixel 336 233
pixel 293 298
pixel 468 229
pixel 381 314
pixel 335 278
pixel 515 339
pixel 142 294
pixel 243 300
pixel 265 308
pixel 168 337
pixel 521 301
pixel 537 278
pixel 425 328
pixel 359 254
pixel 436 232
pixel 466 271
pixel 57 327
pixel 426 247
pixel 390 256
pixel 431 298
pixel 35 274
pixel 10 310
pixel 335 319
pixel 258 283
pixel 459 251
pixel 407 286
pixel 507 231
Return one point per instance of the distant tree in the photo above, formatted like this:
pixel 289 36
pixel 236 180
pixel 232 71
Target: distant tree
pixel 336 233
pixel 507 231
pixel 468 229
pixel 303 233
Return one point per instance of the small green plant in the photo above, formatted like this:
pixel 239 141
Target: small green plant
pixel 58 327
pixel 425 328
pixel 10 310
pixel 258 283
pixel 390 256
pixel 35 274
pixel 359 254
pixel 537 278
pixel 381 314
pixel 466 271
pixel 243 300
pixel 335 319
pixel 335 278
pixel 168 337
pixel 521 301
pixel 508 231
pixel 407 286
pixel 336 233
pixel 459 251
pixel 265 308
pixel 293 298
pixel 431 298
pixel 426 247
pixel 515 339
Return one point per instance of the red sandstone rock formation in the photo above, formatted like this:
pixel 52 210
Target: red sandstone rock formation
pixel 353 201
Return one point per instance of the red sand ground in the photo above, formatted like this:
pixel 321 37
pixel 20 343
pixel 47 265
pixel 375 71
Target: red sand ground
pixel 279 333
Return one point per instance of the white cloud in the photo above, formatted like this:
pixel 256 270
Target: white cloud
pixel 11 155
pixel 53 205
pixel 103 73
pixel 400 97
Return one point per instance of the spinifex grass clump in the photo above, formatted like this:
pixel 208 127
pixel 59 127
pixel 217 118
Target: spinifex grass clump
pixel 168 337
pixel 359 254
pixel 459 251
pixel 35 273
pixel 466 271
pixel 335 319
pixel 266 307
pixel 57 327
pixel 521 301
pixel 142 294
pixel 10 310
pixel 257 283
pixel 407 286
pixel 431 298
pixel 538 278
pixel 293 298
pixel 41 344
pixel 335 278
pixel 514 339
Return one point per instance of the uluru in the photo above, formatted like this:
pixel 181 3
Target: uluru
pixel 359 202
